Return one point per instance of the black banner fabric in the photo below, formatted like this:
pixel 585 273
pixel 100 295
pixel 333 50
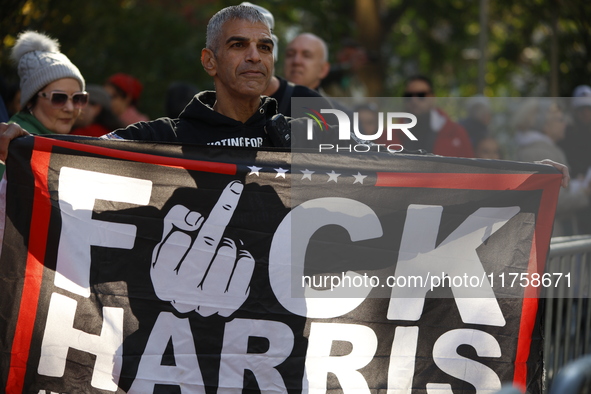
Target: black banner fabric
pixel 134 267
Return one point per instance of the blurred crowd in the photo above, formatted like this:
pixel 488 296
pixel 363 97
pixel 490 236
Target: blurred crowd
pixel 52 97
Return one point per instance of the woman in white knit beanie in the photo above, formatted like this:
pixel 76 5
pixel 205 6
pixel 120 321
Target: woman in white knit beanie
pixel 52 88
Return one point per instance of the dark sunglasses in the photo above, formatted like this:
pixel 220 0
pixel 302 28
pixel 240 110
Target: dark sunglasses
pixel 59 99
pixel 416 94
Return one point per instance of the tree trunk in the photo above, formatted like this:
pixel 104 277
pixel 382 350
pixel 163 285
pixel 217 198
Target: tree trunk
pixel 371 37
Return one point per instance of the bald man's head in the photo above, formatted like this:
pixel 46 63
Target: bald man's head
pixel 306 60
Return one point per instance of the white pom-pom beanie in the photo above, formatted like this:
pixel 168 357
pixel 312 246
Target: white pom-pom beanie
pixel 40 63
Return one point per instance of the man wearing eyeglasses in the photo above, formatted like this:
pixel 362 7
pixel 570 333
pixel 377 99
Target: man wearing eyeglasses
pixel 435 131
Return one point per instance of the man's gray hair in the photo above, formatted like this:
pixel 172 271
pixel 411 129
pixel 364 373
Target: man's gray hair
pixel 237 12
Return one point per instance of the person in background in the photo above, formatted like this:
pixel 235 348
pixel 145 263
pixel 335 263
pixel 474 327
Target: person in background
pixel 125 91
pixel 306 61
pixel 369 120
pixel 543 124
pixel 3 111
pixel 178 96
pixel 96 118
pixel 52 88
pixel 577 142
pixel 306 64
pixel 11 94
pixel 488 148
pixel 478 118
pixel 435 131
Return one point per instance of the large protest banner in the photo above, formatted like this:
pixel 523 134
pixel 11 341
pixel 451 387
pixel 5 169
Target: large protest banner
pixel 149 268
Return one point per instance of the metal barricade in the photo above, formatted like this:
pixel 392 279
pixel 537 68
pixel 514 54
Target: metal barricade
pixel 567 320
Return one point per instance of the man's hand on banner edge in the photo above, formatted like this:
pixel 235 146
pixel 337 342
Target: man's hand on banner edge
pixel 560 167
pixel 8 132
pixel 195 267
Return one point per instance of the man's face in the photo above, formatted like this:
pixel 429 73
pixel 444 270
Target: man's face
pixel 243 62
pixel 418 97
pixel 304 61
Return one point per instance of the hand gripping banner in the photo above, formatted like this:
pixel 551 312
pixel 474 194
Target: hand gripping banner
pixel 134 267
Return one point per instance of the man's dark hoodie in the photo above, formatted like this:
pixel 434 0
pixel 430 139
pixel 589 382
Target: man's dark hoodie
pixel 200 124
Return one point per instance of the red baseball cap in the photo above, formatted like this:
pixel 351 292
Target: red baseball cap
pixel 128 84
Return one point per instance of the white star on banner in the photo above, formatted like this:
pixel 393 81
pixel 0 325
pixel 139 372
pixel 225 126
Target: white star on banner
pixel 332 176
pixel 254 170
pixel 307 174
pixel 280 172
pixel 359 178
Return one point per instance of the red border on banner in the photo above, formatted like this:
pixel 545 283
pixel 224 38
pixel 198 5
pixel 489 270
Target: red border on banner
pixel 40 160
pixel 550 186
pixel 47 144
pixel 33 274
